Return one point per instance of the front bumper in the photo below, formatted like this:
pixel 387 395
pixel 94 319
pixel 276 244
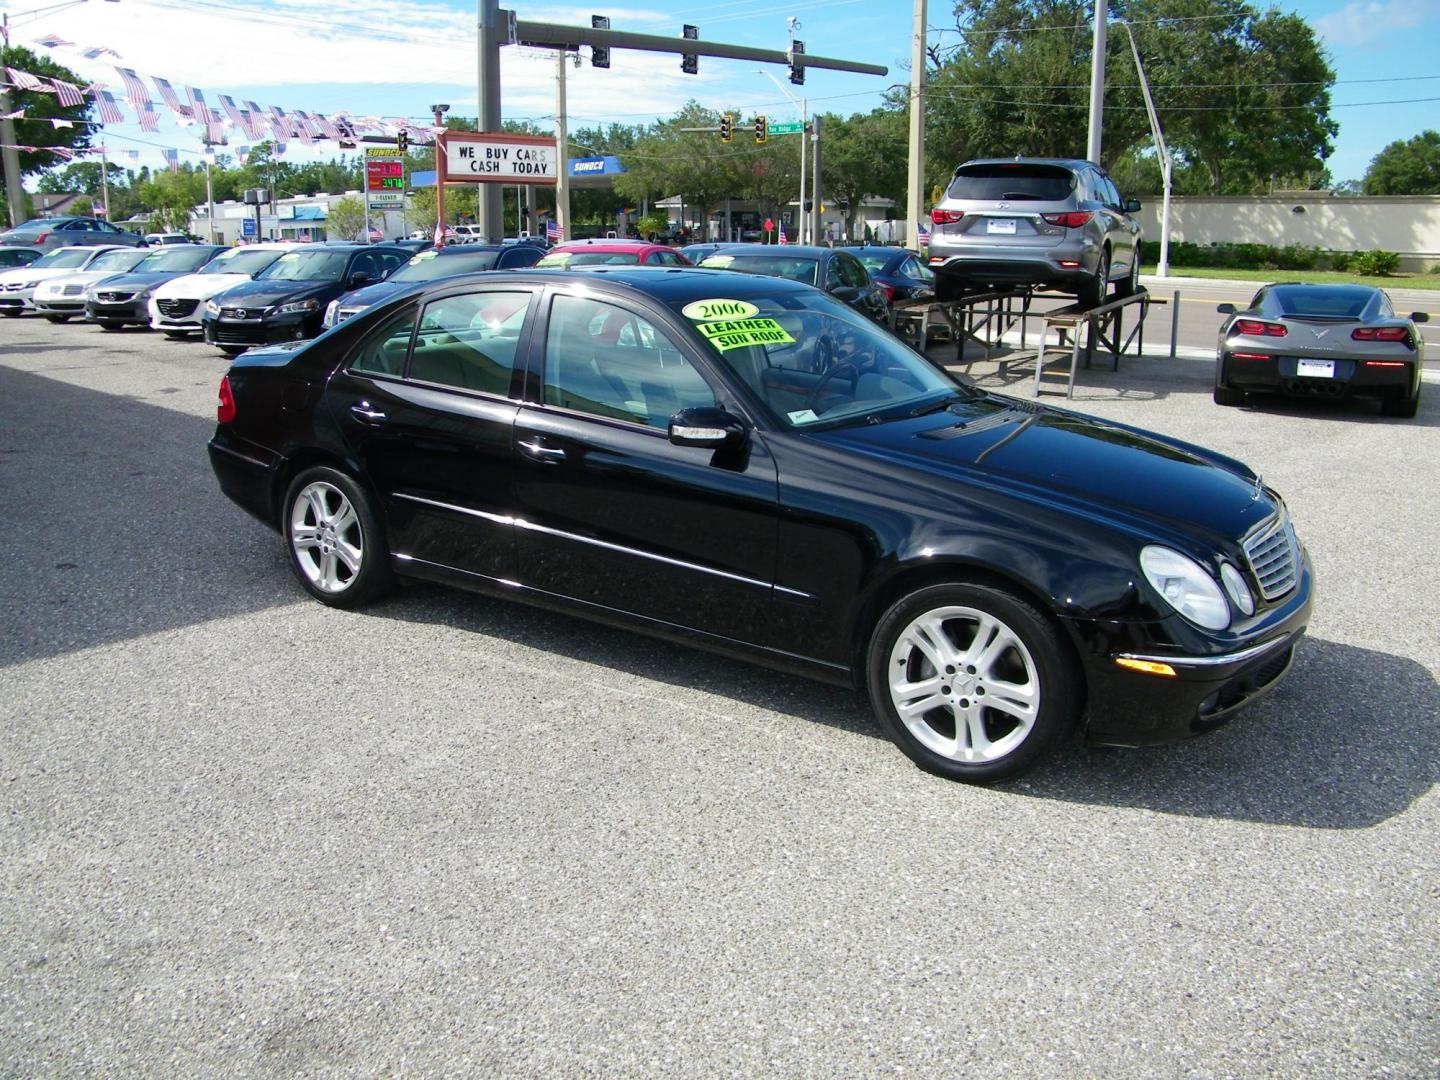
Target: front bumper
pixel 1351 377
pixel 120 311
pixel 60 305
pixel 174 314
pixel 269 330
pixel 1209 684
pixel 17 300
pixel 992 264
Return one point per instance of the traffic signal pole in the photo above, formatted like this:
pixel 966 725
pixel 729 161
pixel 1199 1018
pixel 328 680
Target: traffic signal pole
pixel 491 208
pixel 915 179
pixel 562 137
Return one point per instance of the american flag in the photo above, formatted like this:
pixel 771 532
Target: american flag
pixel 25 81
pixel 922 235
pixel 97 51
pixel 242 154
pixel 53 41
pixel 149 119
pixel 109 110
pixel 172 158
pixel 782 234
pixel 168 95
pixel 18 114
pixel 232 110
pixel 69 94
pixel 254 121
pixel 135 91
pixel 554 232
pixel 132 155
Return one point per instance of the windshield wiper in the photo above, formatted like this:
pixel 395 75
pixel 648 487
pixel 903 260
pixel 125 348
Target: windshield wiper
pixel 939 405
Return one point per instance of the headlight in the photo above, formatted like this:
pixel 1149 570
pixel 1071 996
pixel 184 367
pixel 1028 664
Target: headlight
pixel 31 284
pixel 299 307
pixel 332 314
pixel 212 308
pixel 1186 587
pixel 1234 583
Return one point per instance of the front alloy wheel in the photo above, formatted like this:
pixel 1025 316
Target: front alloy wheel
pixel 337 547
pixel 971 682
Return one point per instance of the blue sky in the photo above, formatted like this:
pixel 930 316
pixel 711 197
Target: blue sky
pixel 396 57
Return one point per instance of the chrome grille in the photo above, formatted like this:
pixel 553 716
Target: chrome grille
pixel 1271 551
pixel 72 290
pixel 113 297
pixel 176 309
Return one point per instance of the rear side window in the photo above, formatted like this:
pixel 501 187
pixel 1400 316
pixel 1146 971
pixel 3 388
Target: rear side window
pixel 469 341
pixel 1038 183
pixel 383 353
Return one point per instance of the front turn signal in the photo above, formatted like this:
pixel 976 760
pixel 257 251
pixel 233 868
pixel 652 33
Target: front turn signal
pixel 1149 667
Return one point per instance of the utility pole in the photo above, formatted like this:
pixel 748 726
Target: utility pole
pixel 915 179
pixel 562 164
pixel 209 192
pixel 105 180
pixel 802 219
pixel 816 217
pixel 1097 83
pixel 440 111
pixel 490 209
pixel 1167 166
pixel 14 193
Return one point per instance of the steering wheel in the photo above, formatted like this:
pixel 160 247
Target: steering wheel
pixel 844 365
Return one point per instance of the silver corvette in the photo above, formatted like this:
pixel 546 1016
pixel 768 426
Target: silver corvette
pixel 1321 340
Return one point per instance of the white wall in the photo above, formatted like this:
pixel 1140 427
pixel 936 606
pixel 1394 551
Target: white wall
pixel 1406 224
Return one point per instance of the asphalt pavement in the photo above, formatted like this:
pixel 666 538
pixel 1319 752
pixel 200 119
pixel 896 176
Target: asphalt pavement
pixel 249 836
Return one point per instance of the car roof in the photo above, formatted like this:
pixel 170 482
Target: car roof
pixel 1062 163
pixel 603 246
pixel 807 251
pixel 668 284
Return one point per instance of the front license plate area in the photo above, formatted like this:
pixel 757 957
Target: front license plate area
pixel 1314 369
pixel 1002 226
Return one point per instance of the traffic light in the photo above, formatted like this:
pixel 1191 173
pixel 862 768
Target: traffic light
pixel 690 62
pixel 727 128
pixel 402 141
pixel 797 71
pixel 600 54
pixel 762 130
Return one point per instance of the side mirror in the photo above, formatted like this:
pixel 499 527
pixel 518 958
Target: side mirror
pixel 1419 316
pixel 1132 206
pixel 359 278
pixel 1225 309
pixel 707 426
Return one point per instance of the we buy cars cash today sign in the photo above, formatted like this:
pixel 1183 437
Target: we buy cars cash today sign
pixel 500 158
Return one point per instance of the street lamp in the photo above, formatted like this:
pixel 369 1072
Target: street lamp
pixel 439 112
pixel 10 157
pixel 802 105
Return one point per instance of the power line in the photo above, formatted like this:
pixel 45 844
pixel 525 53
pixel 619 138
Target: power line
pixel 964 31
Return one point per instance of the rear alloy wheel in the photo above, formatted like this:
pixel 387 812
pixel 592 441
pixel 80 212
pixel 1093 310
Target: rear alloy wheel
pixel 1223 395
pixel 971 682
pixel 1093 291
pixel 337 545
pixel 1404 408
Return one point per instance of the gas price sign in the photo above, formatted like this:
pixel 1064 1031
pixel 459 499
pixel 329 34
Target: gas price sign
pixel 384 178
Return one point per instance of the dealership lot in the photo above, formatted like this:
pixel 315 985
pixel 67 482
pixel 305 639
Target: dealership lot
pixel 249 835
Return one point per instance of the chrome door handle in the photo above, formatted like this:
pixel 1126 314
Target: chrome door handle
pixel 363 411
pixel 541 452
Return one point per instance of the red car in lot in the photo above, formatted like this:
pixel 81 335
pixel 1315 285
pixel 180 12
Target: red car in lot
pixel 578 253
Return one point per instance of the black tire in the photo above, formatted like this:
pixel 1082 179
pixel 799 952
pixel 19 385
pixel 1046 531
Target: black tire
pixel 1011 744
pixel 1092 291
pixel 1131 285
pixel 1223 395
pixel 949 287
pixel 57 318
pixel 339 584
pixel 11 313
pixel 1404 408
pixel 231 350
pixel 178 335
pixel 110 324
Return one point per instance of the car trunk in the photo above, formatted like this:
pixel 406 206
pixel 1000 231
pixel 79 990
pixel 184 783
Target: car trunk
pixel 1004 203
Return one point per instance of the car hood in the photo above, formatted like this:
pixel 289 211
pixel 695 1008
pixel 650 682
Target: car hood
pixel 1106 469
pixel 373 294
pixel 30 273
pixel 198 286
pixel 83 277
pixel 260 294
pixel 134 280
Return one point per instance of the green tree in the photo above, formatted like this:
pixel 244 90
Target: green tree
pixel 1406 167
pixel 345 220
pixel 40 108
pixel 1244 95
pixel 82 207
pixel 80 177
pixel 864 156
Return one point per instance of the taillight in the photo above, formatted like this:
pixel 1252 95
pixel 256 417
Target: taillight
pixel 41 238
pixel 1256 328
pixel 225 407
pixel 889 291
pixel 1073 220
pixel 1385 363
pixel 945 217
pixel 1380 333
pixel 1251 356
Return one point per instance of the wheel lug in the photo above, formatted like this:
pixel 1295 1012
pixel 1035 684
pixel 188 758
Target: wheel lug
pixel 949 669
pixel 970 670
pixel 944 690
pixel 979 691
pixel 964 703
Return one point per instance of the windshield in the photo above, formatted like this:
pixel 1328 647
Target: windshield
pixel 241 261
pixel 64 258
pixel 813 360
pixel 429 265
pixel 118 260
pixel 873 262
pixel 590 258
pixel 176 258
pixel 1045 183
pixel 307 266
pixel 804 271
pixel 1341 302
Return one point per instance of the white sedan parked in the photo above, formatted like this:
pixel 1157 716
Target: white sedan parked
pixel 175 307
pixel 17 287
pixel 63 297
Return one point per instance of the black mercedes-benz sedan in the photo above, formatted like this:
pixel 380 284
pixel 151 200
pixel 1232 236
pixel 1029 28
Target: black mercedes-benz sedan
pixel 287 299
pixel 749 465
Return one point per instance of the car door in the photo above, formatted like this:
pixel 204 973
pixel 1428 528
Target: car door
pixel 428 403
pixel 1124 230
pixel 79 234
pixel 614 514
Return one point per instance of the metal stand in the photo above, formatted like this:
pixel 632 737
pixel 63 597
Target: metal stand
pixel 1103 326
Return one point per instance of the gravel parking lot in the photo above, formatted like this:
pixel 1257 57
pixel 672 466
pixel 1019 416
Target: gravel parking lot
pixel 247 835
